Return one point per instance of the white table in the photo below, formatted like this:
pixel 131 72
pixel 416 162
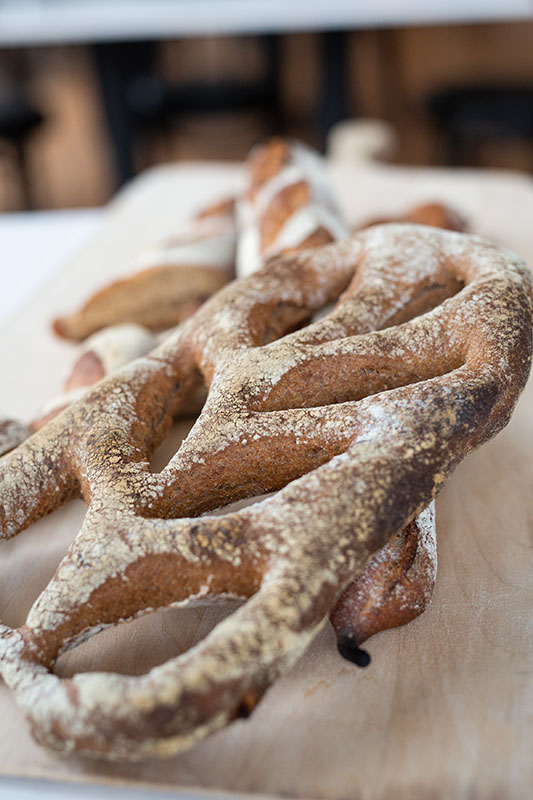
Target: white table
pixel 34 246
pixel 20 789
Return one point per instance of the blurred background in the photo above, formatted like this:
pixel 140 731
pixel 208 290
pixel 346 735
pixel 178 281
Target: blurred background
pixel 91 93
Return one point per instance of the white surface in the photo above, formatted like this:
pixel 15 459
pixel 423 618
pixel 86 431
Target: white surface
pixel 35 245
pixel 17 789
pixel 51 21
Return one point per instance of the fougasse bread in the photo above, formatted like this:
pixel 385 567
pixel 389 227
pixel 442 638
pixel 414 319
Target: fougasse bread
pixel 356 420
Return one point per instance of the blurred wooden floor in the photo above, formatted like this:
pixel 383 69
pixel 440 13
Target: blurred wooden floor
pixel 391 73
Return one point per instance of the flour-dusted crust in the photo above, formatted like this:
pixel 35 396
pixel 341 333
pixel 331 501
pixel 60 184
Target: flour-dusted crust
pixel 288 181
pixel 395 586
pixel 357 419
pixel 288 206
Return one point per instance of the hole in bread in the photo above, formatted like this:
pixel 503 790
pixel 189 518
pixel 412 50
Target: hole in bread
pixel 171 443
pixel 237 505
pixel 136 646
pixel 346 316
pixel 30 560
pixel 284 318
pixel 180 428
pixel 260 464
pixel 430 294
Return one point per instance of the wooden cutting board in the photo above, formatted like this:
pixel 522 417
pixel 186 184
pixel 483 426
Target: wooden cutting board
pixel 446 708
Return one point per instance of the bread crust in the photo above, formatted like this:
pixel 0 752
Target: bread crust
pixel 284 180
pixel 167 283
pixel 403 399
pixel 287 205
pixel 436 215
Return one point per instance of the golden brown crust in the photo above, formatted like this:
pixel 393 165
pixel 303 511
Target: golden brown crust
pixel 88 369
pixel 436 215
pixel 265 162
pixel 167 283
pixel 222 208
pixel 394 587
pixel 282 205
pixel 157 298
pixel 99 356
pixel 288 205
pixel 318 238
pixel 357 464
pixel 285 183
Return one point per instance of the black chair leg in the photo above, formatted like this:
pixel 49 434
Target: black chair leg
pixel 272 46
pixel 333 103
pixel 115 64
pixel 24 180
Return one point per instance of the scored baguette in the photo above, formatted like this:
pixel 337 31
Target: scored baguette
pixel 169 282
pixel 288 205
